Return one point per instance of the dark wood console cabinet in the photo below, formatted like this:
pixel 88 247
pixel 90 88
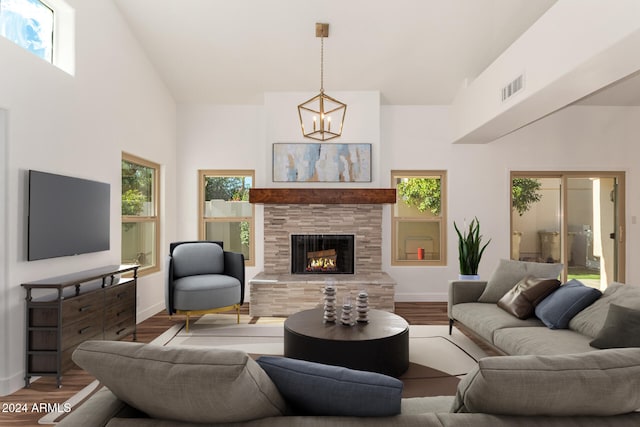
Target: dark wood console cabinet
pixel 64 311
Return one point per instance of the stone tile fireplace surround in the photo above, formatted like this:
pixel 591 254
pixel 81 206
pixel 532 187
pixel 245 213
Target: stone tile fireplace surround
pixel 277 292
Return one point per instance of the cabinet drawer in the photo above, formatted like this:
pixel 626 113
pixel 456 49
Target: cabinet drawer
pixel 82 306
pixel 120 294
pixel 67 361
pixel 86 329
pixel 120 330
pixel 117 313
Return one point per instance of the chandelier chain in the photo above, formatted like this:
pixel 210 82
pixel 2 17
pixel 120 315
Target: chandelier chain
pixel 321 64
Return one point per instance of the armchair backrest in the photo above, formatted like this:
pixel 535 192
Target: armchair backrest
pixel 194 258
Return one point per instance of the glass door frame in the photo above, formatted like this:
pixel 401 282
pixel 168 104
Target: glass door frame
pixel 619 218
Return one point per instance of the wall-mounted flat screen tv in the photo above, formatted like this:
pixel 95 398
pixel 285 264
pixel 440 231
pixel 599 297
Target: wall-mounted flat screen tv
pixel 67 216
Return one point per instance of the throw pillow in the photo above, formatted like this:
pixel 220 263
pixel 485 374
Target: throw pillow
pixel 590 321
pixel 595 383
pixel 196 385
pixel 557 310
pixel 621 329
pixel 317 389
pixel 526 295
pixel 510 272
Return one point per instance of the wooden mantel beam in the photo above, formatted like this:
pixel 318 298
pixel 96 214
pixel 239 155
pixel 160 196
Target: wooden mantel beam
pixel 322 195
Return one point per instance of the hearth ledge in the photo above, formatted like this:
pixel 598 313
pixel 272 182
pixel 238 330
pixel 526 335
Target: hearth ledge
pixel 286 294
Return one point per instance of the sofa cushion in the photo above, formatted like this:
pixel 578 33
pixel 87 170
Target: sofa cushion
pixel 557 310
pixel 598 383
pixel 194 292
pixel 522 299
pixel 510 272
pixel 486 319
pixel 591 320
pixel 621 329
pixel 184 384
pixel 541 341
pixel 317 389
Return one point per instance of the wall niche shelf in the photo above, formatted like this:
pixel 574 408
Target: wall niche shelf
pixel 344 196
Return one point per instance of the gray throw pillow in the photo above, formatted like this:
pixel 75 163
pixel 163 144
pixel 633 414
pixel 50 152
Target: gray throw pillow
pixel 526 295
pixel 621 329
pixel 591 320
pixel 318 389
pixel 189 384
pixel 509 272
pixel 595 383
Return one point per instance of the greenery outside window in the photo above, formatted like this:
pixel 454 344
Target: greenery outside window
pixel 29 24
pixel 419 218
pixel 225 212
pixel 140 213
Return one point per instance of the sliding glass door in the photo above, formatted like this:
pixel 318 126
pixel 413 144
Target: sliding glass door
pixel 576 218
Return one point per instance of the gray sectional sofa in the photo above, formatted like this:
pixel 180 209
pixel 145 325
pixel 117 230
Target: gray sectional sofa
pixel 148 385
pixel 475 307
pixel 552 377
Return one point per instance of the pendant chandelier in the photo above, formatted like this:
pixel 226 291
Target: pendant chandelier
pixel 322 116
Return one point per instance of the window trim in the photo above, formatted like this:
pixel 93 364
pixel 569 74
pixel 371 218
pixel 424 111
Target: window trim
pixel 442 219
pixel 202 173
pixel 155 220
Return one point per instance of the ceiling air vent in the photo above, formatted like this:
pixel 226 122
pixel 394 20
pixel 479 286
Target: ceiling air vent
pixel 512 88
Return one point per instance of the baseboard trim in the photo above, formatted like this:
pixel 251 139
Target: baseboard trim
pixel 149 312
pixel 12 384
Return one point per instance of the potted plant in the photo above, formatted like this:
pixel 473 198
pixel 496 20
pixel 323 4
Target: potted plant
pixel 470 250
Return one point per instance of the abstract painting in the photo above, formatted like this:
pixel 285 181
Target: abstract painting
pixel 321 162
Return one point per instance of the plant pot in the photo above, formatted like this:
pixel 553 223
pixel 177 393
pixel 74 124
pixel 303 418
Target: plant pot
pixel 468 277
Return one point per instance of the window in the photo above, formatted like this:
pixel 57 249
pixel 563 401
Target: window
pixel 140 217
pixel 419 218
pixel 575 218
pixel 29 24
pixel 225 212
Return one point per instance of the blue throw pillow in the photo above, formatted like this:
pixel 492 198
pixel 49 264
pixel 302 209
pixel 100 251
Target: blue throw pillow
pixel 558 309
pixel 317 389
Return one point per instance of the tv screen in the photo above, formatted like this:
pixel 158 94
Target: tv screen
pixel 67 216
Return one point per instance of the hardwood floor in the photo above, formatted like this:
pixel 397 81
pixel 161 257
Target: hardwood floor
pixel 44 390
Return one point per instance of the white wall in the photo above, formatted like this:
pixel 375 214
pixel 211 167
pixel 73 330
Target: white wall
pixel 216 137
pixel 79 125
pixel 574 139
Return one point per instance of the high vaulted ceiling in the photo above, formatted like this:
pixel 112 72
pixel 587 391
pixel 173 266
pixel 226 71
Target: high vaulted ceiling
pixel 413 51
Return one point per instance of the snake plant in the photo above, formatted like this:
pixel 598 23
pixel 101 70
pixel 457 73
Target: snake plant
pixel 469 249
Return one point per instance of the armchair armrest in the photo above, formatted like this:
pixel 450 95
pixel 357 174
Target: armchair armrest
pixel 234 267
pixel 461 291
pixel 168 285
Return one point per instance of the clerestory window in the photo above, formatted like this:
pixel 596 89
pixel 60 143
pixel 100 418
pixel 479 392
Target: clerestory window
pixel 29 24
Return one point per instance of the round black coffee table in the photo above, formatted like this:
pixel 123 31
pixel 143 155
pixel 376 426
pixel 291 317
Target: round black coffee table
pixel 382 345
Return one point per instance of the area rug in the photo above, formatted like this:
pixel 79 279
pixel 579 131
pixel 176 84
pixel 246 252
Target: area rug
pixel 437 359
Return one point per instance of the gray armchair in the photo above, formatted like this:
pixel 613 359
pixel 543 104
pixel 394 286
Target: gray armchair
pixel 203 278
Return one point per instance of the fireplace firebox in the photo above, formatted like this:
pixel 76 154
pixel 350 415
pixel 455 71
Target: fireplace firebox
pixel 322 254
